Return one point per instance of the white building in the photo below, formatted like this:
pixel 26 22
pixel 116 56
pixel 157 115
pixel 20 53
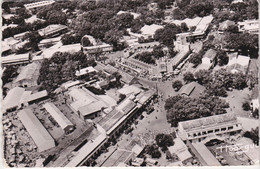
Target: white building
pixel 28 76
pixel 38 4
pixel 39 134
pixel 59 117
pixel 207 128
pixel 250 26
pixel 238 63
pixel 180 149
pixel 149 30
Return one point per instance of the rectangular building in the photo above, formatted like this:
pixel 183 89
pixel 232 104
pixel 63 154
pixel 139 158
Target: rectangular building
pixel 59 117
pixel 206 128
pixel 39 134
pixel 204 155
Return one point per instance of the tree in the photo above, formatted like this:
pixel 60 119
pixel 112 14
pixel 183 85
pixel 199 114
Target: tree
pixel 86 42
pixel 246 106
pixel 196 59
pixel 158 52
pixel 178 14
pixel 177 85
pixel 70 38
pixel 56 17
pixel 188 77
pixel 34 39
pixel 183 108
pixel 184 27
pixel 113 37
pixel 164 140
pixel 253 135
pixel 203 76
pixel 167 34
pixel 255 113
pixel 152 150
pixel 222 58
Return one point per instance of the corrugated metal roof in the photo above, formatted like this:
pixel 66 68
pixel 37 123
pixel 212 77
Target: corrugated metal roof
pixel 39 134
pixel 27 72
pixel 58 116
pixel 13 98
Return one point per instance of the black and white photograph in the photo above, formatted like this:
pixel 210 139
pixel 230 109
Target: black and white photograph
pixel 129 83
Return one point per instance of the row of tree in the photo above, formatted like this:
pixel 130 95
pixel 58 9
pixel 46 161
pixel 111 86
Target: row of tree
pixel 182 108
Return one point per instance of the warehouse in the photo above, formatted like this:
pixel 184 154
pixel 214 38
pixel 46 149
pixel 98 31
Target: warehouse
pixel 59 117
pixel 39 134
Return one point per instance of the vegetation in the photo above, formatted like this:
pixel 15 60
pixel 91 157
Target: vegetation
pixel 167 34
pixel 60 68
pixel 188 77
pixel 254 135
pixel 177 85
pixel 181 108
pixel 152 150
pixel 164 141
pixel 70 38
pixel 222 80
pixel 246 106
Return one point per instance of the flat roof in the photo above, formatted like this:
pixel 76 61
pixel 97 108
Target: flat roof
pixel 58 116
pixel 39 134
pixel 208 121
pixel 84 71
pixel 206 155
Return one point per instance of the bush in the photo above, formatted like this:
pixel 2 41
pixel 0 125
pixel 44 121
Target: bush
pixel 246 106
pixel 177 85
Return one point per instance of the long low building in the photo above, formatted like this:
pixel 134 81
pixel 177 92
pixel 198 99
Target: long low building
pixel 59 117
pixel 15 59
pixel 204 155
pixel 105 48
pixel 38 4
pixel 39 134
pixel 53 30
pixel 206 128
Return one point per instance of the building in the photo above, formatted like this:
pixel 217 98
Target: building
pixel 200 31
pixel 28 76
pixel 85 71
pixel 53 30
pixel 207 128
pixel 128 79
pixel 59 117
pixel 180 149
pixel 204 155
pixel 91 148
pixel 32 6
pixel 104 48
pixel 12 101
pixel 238 63
pixel 137 64
pixel 39 134
pixel 127 90
pixel 224 25
pixel 92 110
pixel 135 15
pixel 85 104
pixel 36 97
pixel 149 30
pixel 117 157
pixel 254 98
pixel 209 60
pixel 14 59
pixel 250 149
pixel 192 89
pixel 249 26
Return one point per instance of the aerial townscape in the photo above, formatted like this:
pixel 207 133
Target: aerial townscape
pixel 118 83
